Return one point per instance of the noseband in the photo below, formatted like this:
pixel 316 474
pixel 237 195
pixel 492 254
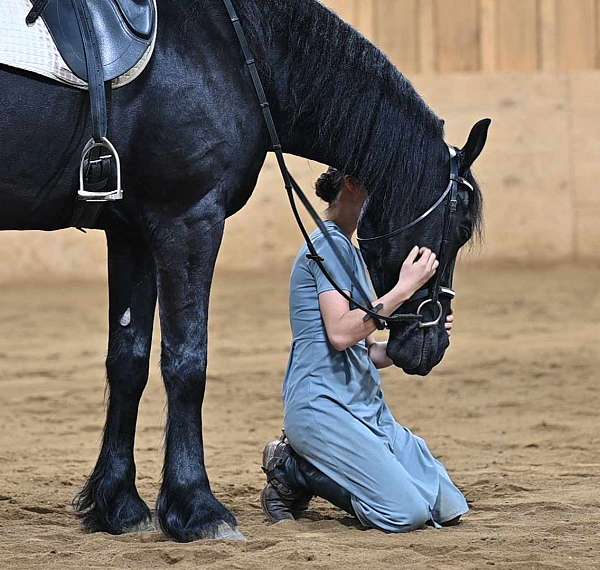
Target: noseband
pixel 428 296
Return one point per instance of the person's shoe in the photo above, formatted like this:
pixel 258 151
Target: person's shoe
pixel 274 506
pixel 282 498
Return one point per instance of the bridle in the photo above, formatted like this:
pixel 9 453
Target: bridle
pixel 430 294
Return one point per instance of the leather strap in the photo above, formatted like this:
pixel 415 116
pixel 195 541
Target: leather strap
pixel 93 62
pixel 36 11
pixel 85 214
pixel 412 224
pixel 449 220
pixel 99 173
pixel 95 74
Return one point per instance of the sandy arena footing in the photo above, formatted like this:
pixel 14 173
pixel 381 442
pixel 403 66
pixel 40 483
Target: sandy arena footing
pixel 512 411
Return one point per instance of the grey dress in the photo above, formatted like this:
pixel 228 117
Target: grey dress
pixel 336 416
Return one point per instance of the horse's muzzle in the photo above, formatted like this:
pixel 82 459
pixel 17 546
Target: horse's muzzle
pixel 418 350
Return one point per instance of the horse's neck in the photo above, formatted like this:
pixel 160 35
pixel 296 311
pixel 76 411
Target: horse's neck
pixel 364 107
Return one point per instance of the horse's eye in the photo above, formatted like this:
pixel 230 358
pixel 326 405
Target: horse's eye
pixel 465 233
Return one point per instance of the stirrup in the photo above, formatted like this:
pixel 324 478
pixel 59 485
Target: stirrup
pixel 112 153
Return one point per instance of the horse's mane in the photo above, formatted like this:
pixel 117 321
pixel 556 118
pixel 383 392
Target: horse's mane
pixel 358 101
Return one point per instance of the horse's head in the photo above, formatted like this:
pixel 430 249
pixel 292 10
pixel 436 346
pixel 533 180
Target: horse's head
pixel 446 214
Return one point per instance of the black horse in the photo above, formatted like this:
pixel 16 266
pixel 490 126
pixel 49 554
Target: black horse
pixel 192 143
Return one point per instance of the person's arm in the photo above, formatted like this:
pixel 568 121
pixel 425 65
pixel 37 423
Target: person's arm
pixel 378 354
pixel 346 327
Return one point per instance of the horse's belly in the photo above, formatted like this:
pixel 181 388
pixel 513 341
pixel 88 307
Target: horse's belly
pixel 27 208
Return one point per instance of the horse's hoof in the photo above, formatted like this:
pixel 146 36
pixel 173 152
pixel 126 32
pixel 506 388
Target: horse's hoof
pixel 146 525
pixel 124 513
pixel 185 516
pixel 225 532
pixel 96 521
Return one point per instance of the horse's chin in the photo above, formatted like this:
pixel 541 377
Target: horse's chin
pixel 417 350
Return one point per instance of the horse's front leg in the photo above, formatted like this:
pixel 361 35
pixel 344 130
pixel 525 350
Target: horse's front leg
pixel 185 248
pixel 109 502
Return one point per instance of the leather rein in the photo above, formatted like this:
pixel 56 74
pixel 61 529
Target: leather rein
pixel 293 190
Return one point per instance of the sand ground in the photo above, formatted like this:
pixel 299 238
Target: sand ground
pixel 513 412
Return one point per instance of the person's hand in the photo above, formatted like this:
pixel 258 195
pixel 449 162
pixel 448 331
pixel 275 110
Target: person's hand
pixel 449 324
pixel 418 268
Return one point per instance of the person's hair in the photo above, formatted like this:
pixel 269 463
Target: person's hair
pixel 329 185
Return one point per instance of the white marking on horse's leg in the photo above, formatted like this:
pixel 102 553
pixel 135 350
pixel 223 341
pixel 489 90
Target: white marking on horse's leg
pixel 126 318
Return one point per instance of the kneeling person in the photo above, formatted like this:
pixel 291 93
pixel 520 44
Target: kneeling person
pixel 341 441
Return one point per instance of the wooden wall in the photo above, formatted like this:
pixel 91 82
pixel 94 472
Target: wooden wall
pixel 540 169
pixel 445 36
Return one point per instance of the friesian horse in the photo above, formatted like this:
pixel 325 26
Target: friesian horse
pixel 192 143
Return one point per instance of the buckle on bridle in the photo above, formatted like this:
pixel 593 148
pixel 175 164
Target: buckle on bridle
pixel 448 292
pixel 434 323
pixel 463 182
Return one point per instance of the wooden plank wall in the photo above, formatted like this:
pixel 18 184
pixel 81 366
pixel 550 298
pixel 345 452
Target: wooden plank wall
pixel 441 36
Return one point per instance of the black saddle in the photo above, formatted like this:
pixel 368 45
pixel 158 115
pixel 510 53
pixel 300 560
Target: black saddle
pixel 123 29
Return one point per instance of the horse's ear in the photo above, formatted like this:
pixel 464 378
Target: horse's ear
pixel 475 143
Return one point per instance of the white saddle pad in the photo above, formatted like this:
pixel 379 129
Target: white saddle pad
pixel 31 47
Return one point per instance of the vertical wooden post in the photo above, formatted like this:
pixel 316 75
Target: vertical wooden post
pixel 457 36
pixel 426 37
pixel 548 35
pixel 597 34
pixel 398 32
pixel 365 18
pixel 488 13
pixel 576 22
pixel 517 29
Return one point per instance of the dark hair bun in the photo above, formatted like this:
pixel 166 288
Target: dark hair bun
pixel 329 184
